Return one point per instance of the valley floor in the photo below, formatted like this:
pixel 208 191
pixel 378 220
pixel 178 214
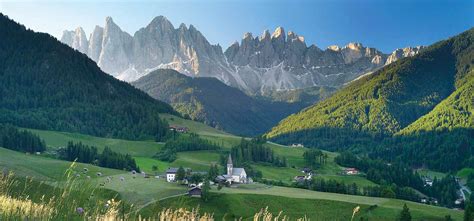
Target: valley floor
pixel 151 194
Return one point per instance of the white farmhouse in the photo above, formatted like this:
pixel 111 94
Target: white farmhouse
pixel 171 174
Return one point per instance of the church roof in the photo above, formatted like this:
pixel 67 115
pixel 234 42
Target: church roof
pixel 229 160
pixel 237 171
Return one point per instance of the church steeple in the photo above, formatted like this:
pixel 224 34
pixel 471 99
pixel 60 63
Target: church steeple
pixel 230 166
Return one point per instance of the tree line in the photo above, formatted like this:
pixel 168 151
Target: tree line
pixel 314 158
pixel 184 142
pixel 334 186
pixel 90 154
pixel 383 173
pixel 20 140
pixel 255 151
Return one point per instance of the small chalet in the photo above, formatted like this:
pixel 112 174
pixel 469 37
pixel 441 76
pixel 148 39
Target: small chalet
pixel 297 145
pixel 300 179
pixel 172 171
pixel 307 170
pixel 179 129
pixel 171 174
pixel 195 192
pixel 428 181
pixel 351 171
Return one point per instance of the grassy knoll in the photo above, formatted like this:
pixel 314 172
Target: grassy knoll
pixel 210 133
pixel 464 173
pixel 430 173
pixel 140 190
pixel 419 211
pixel 193 126
pixel 146 164
pixel 44 168
pixel 196 160
pixel 234 206
pixel 56 139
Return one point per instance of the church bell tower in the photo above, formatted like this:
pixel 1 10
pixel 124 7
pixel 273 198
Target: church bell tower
pixel 230 166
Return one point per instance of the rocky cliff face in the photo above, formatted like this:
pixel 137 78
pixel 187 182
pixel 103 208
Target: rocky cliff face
pixel 257 65
pixel 403 52
pixel 76 39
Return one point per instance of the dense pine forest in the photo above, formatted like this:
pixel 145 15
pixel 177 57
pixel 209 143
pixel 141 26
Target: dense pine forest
pixel 89 154
pixel 47 85
pixel 254 151
pixel 399 178
pixel 184 142
pixel 20 140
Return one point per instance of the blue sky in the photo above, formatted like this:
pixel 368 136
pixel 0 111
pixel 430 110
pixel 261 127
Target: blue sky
pixel 386 25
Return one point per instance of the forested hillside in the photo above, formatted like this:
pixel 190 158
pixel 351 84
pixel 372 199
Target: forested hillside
pixel 383 103
pixel 426 101
pixel 45 84
pixel 214 103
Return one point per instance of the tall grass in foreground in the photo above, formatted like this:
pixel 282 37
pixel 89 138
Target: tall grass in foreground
pixel 67 199
pixel 74 199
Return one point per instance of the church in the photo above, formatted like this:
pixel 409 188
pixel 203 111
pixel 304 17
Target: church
pixel 235 175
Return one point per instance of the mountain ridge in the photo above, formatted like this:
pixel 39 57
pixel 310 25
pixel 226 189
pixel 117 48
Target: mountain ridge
pixel 257 65
pixel 210 101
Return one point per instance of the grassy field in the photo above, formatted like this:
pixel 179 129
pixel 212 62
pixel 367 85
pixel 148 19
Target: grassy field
pixel 143 152
pixel 138 190
pixel 419 211
pixel 235 206
pixel 464 173
pixel 210 133
pixel 228 205
pixel 56 139
pixel 430 173
pixel 43 168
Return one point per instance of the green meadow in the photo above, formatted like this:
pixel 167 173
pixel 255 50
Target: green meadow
pixel 150 194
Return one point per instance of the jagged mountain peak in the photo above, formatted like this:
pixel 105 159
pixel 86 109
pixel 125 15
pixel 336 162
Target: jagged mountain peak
pixel 334 48
pixel 183 27
pixel 293 37
pixel 354 46
pixel 247 36
pixel 79 30
pixel 277 61
pixel 279 33
pixel 265 35
pixel 160 23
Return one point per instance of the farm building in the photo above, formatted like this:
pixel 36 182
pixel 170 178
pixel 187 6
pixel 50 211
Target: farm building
pixel 351 171
pixel 195 192
pixel 300 179
pixel 179 129
pixel 171 174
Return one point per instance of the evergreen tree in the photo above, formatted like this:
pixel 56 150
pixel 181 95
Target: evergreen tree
pixel 154 168
pixel 205 194
pixel 405 214
pixel 469 210
pixel 213 172
pixel 180 174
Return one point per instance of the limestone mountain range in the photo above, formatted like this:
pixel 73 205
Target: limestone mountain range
pixel 257 65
